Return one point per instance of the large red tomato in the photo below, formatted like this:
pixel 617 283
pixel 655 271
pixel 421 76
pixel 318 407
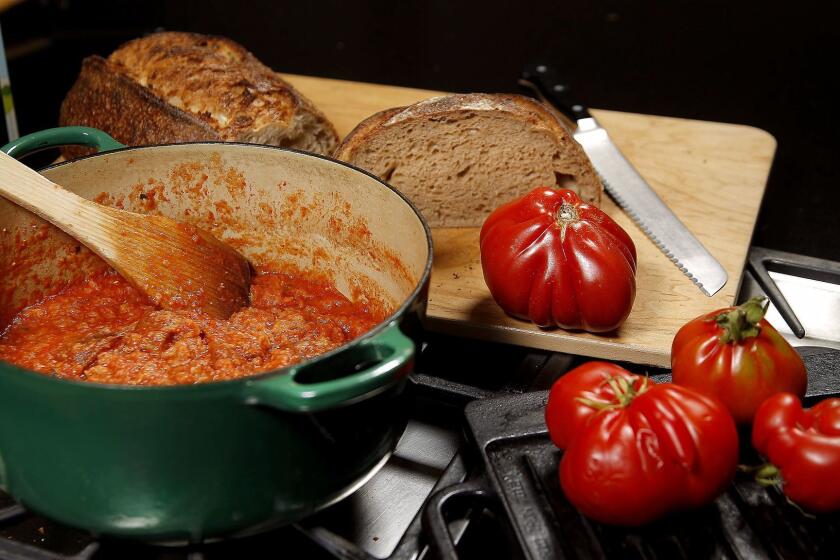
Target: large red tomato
pixel 550 258
pixel 803 447
pixel 635 450
pixel 737 356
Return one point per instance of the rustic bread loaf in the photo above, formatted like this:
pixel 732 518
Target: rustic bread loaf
pixel 459 157
pixel 179 87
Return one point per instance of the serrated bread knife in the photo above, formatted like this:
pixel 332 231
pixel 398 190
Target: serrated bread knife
pixel 629 190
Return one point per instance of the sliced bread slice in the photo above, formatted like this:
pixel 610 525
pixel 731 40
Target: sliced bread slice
pixel 459 157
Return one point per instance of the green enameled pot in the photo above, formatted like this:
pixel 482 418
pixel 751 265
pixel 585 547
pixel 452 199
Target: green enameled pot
pixel 193 462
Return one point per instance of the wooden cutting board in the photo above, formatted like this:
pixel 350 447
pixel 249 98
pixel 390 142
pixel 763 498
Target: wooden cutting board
pixel 712 175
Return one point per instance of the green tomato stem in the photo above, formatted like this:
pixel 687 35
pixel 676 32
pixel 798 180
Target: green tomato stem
pixel 766 474
pixel 623 391
pixel 743 321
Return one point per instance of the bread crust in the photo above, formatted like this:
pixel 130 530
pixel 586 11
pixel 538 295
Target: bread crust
pixel 178 87
pixel 362 132
pixel 517 106
pixel 102 97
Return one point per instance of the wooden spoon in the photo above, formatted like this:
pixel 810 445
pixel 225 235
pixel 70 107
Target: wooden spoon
pixel 175 265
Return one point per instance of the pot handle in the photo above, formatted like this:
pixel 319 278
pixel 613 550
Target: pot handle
pixel 382 359
pixel 61 136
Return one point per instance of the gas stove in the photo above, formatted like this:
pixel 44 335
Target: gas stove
pixel 381 519
pixel 398 513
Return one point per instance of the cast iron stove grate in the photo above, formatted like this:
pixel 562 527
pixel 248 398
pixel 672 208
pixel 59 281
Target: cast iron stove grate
pixel 521 481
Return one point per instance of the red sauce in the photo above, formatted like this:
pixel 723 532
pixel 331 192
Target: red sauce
pixel 100 329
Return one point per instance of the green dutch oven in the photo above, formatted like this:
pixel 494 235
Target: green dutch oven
pixel 192 462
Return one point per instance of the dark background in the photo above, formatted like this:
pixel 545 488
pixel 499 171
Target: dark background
pixel 749 62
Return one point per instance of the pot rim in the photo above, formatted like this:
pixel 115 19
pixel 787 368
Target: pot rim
pixel 217 385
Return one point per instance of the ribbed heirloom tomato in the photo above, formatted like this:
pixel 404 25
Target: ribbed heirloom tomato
pixel 737 356
pixel 635 450
pixel 803 447
pixel 551 258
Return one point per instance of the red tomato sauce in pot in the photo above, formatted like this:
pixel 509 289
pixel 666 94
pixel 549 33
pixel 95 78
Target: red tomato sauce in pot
pixel 101 329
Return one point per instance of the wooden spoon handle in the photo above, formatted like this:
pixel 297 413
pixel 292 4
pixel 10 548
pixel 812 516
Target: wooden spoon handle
pixel 31 190
pixel 172 263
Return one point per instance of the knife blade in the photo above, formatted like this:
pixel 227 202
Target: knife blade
pixel 629 189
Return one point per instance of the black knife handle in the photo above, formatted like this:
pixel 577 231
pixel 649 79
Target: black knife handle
pixel 543 80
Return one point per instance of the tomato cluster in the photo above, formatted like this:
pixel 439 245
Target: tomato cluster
pixel 634 450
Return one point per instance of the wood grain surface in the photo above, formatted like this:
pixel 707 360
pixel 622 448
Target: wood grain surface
pixel 712 175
